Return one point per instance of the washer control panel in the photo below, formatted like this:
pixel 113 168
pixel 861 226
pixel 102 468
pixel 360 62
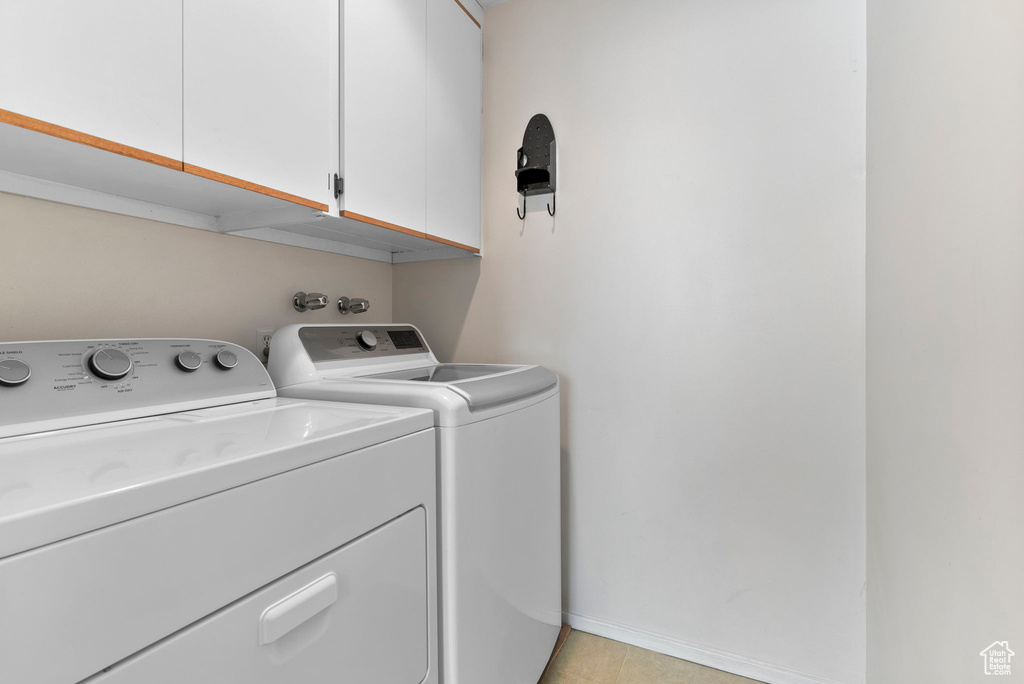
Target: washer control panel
pixel 60 383
pixel 347 342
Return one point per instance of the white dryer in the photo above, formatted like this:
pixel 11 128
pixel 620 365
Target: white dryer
pixel 166 518
pixel 497 431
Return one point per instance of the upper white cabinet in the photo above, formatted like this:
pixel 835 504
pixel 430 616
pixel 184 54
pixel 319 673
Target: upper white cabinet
pixel 257 103
pixel 454 103
pixel 108 68
pixel 384 110
pixel 412 79
pixel 235 115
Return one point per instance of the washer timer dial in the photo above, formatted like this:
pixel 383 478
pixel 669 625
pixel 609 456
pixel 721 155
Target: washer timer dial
pixel 110 364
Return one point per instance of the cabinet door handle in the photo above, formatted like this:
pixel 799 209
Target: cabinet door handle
pixel 292 611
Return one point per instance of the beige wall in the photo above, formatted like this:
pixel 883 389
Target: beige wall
pixel 945 338
pixel 701 294
pixel 72 273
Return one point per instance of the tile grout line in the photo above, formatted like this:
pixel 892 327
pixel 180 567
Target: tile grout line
pixel 563 637
pixel 621 665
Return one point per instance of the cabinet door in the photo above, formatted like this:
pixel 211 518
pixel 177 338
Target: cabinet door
pixel 384 122
pixel 454 93
pixel 357 615
pixel 258 93
pixel 108 68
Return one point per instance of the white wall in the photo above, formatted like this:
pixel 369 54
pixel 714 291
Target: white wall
pixel 945 338
pixel 70 272
pixel 701 294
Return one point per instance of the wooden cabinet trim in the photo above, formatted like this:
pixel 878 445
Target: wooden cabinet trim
pixel 452 243
pixel 71 135
pixel 382 224
pixel 28 123
pixel 253 187
pixel 468 14
pixel 408 231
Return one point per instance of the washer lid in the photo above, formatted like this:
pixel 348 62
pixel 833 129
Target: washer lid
pixel 480 385
pixel 443 372
pixel 60 484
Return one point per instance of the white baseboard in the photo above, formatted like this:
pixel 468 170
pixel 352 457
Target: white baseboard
pixel 702 655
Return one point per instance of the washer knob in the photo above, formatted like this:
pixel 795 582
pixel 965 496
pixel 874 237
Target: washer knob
pixel 14 372
pixel 110 364
pixel 367 340
pixel 189 361
pixel 226 359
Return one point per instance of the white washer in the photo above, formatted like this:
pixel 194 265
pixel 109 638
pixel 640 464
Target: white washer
pixel 166 518
pixel 498 478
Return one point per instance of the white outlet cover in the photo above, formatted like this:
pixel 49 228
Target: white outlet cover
pixel 263 336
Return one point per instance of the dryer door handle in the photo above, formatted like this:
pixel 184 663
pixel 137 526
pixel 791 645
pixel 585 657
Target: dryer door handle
pixel 292 611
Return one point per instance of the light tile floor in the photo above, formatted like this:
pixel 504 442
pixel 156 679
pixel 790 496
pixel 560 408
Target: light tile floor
pixel 589 659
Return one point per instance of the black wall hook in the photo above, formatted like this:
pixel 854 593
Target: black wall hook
pixel 535 163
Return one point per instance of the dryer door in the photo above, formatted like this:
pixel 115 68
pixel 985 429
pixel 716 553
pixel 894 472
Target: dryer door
pixel 358 614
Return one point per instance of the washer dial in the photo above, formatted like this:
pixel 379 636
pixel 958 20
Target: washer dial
pixel 14 372
pixel 367 340
pixel 226 359
pixel 189 361
pixel 110 364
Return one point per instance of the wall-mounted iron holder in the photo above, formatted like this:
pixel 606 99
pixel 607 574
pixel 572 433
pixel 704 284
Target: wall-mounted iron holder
pixel 535 163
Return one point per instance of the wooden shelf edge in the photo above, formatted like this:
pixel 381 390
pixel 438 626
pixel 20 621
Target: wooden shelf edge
pixel 39 126
pixel 252 187
pixel 71 135
pixel 452 243
pixel 407 231
pixel 468 14
pixel 382 224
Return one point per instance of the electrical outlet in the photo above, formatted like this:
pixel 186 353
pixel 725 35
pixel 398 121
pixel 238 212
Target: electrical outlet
pixel 263 336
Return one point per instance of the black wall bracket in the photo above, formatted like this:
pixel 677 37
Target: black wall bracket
pixel 535 163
